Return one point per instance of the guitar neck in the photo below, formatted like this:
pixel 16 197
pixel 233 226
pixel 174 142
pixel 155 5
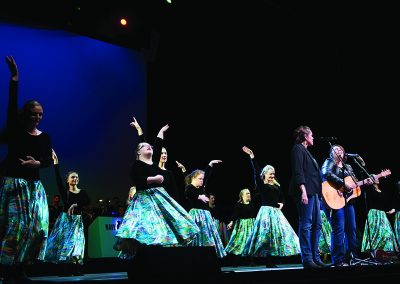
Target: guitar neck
pixel 375 177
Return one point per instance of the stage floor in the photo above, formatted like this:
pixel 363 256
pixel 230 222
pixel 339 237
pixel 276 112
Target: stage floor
pixel 284 273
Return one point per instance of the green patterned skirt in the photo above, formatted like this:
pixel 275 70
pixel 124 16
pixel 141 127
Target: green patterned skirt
pixel 381 235
pixel 24 221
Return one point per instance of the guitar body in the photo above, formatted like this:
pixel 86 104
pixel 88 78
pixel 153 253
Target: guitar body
pixel 331 196
pixel 334 198
pixel 356 190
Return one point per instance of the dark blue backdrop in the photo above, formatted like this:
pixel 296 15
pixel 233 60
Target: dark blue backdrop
pixel 89 91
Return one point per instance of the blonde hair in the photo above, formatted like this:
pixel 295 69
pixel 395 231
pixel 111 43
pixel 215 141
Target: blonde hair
pixel 265 170
pixel 192 175
pixel 241 194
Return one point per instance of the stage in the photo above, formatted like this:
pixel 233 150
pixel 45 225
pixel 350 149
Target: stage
pixel 116 271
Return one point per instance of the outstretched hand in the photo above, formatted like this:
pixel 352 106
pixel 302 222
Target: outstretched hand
pixel 164 128
pixel 54 156
pixel 12 65
pixel 214 162
pixel 182 167
pixel 248 151
pixel 134 123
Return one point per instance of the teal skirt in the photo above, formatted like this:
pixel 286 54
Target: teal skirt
pixel 154 218
pixel 381 235
pixel 325 238
pixel 241 233
pixel 208 235
pixel 272 235
pixel 66 242
pixel 24 221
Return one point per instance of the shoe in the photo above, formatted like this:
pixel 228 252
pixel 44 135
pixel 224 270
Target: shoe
pixel 321 264
pixel 310 265
pixel 341 264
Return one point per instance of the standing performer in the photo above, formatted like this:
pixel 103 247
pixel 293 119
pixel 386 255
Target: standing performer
pixel 162 220
pixel 66 243
pixel 305 189
pixel 272 234
pixel 244 215
pixel 169 183
pixel 378 233
pixel 24 212
pixel 200 211
pixel 343 220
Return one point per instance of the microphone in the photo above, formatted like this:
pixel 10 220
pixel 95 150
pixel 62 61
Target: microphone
pixel 357 157
pixel 327 139
pixel 352 155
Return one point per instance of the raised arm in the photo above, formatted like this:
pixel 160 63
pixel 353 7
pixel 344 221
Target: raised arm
pixel 256 168
pixel 139 130
pixel 182 167
pixel 60 184
pixel 158 143
pixel 12 113
pixel 162 130
pixel 12 65
pixel 208 172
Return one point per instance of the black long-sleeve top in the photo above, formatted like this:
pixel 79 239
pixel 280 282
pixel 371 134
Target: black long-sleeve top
pixel 140 170
pixel 192 193
pixel 169 183
pixel 217 213
pixel 333 174
pixel 243 211
pixel 270 195
pixel 305 170
pixel 22 144
pixel 67 197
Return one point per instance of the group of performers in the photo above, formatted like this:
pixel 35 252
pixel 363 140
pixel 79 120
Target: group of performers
pixel 154 215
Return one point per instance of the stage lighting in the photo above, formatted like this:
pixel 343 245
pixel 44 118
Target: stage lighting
pixel 123 22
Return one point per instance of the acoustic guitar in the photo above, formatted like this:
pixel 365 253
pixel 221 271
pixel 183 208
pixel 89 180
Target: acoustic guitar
pixel 334 198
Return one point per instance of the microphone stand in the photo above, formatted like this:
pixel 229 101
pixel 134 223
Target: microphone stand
pixel 371 259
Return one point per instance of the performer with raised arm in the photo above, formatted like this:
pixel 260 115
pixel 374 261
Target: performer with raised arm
pixel 24 212
pixel 272 234
pixel 169 183
pixel 199 209
pixel 66 242
pixel 163 221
